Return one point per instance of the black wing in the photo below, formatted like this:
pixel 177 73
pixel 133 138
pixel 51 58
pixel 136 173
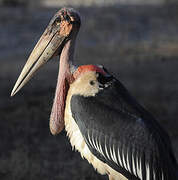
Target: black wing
pixel 123 134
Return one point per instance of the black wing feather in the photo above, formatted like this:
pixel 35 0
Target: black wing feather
pixel 123 134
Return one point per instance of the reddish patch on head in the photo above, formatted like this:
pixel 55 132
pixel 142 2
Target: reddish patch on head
pixel 65 28
pixel 85 68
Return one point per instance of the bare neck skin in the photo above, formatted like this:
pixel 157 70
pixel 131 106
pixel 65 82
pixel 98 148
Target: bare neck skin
pixel 64 79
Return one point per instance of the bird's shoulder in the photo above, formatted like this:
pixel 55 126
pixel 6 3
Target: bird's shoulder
pixel 112 107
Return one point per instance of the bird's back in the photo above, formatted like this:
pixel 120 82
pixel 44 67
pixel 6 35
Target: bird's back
pixel 123 134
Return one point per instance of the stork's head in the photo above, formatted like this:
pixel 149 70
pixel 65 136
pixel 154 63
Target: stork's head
pixel 62 27
pixel 58 39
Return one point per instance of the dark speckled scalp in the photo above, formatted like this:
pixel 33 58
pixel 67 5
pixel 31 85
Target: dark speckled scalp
pixel 116 122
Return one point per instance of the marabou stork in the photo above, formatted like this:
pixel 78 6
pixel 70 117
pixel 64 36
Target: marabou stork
pixel 103 121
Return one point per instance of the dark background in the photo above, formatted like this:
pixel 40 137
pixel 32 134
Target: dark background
pixel 137 43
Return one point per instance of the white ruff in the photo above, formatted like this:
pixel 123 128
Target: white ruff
pixel 77 142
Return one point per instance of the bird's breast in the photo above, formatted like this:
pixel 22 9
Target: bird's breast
pixel 77 141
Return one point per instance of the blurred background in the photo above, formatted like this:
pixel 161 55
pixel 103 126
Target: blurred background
pixel 137 40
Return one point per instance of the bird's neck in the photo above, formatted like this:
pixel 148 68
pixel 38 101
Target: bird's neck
pixel 66 59
pixel 65 77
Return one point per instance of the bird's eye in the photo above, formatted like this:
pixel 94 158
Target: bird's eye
pixel 68 18
pixel 57 21
pixel 92 82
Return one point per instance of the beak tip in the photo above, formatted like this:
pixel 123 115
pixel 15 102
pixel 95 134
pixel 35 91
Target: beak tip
pixel 13 92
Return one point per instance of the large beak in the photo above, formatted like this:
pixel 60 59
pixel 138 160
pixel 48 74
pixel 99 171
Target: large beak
pixel 50 42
